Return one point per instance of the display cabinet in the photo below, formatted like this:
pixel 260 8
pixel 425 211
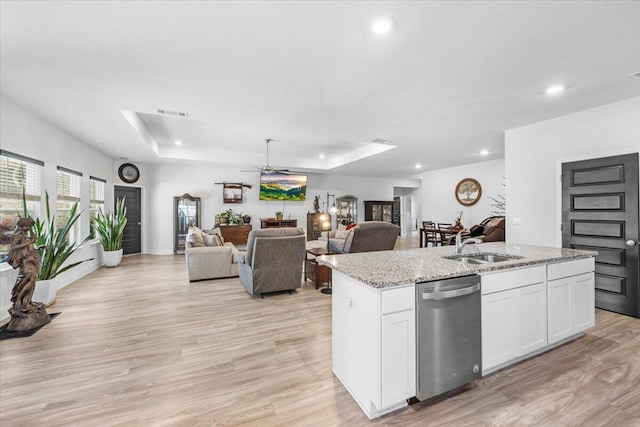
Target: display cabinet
pixel 186 212
pixel 347 210
pixel 375 210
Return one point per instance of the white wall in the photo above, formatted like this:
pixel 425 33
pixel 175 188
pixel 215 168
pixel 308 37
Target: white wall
pixel 163 182
pixel 534 155
pixel 22 132
pixel 439 202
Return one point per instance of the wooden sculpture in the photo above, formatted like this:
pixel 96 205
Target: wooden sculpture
pixel 25 314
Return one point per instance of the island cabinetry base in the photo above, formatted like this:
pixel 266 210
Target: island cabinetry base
pixel 529 310
pixel 374 343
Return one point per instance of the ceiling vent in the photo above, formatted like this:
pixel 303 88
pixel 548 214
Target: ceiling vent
pixel 381 141
pixel 172 113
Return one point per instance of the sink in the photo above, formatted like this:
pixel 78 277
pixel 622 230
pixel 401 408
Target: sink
pixel 482 258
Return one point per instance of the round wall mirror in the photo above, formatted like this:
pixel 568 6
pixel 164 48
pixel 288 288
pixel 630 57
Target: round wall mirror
pixel 468 192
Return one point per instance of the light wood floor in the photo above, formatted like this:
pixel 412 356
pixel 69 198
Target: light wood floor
pixel 141 346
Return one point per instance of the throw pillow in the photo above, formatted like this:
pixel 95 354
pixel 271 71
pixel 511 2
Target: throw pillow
pixel 350 226
pixel 342 234
pixel 212 240
pixel 195 236
pixel 216 231
pixel 342 227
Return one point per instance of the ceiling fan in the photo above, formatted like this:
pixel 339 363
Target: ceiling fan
pixel 268 170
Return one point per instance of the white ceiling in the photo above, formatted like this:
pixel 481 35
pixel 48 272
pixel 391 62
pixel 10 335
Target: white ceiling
pixel 444 83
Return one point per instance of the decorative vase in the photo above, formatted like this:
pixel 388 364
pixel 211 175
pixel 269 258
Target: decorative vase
pixel 112 258
pixel 246 219
pixel 46 291
pixel 224 220
pixel 278 217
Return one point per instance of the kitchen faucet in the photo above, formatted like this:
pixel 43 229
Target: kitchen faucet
pixel 460 244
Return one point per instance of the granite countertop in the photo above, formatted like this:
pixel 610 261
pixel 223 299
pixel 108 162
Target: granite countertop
pixel 386 269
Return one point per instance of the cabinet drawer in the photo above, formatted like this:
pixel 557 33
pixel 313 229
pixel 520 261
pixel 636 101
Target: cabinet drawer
pixel 511 279
pixel 398 299
pixel 559 270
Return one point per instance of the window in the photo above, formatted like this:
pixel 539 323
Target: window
pixel 17 172
pixel 96 200
pixel 68 191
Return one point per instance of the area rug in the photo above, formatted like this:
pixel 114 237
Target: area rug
pixel 6 335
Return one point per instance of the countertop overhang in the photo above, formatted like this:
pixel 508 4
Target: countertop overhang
pixel 386 269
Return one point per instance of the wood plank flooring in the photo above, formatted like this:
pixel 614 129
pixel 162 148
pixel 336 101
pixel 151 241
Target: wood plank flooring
pixel 140 346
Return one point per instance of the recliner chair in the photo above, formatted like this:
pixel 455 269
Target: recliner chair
pixel 273 260
pixel 367 236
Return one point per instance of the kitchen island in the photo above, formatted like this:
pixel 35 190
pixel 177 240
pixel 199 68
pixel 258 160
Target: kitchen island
pixel 530 304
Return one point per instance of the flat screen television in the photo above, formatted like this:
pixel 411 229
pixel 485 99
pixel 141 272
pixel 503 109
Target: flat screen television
pixel 277 186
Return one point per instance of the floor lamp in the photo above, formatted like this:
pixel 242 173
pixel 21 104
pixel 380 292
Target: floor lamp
pixel 326 225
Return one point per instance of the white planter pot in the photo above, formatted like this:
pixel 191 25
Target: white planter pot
pixel 112 258
pixel 46 291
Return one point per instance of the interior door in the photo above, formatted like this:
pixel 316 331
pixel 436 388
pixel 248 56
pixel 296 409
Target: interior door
pixel 600 213
pixel 132 236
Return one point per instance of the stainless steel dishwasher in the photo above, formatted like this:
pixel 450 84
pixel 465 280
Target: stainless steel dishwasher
pixel 449 348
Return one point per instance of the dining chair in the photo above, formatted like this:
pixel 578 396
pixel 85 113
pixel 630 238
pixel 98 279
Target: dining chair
pixel 428 234
pixel 445 230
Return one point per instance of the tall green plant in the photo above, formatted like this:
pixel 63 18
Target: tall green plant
pixel 52 243
pixel 110 226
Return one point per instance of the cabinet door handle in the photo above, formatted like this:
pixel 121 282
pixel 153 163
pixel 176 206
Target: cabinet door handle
pixel 631 242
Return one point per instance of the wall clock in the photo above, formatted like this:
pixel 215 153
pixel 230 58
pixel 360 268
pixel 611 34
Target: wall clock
pixel 468 192
pixel 129 173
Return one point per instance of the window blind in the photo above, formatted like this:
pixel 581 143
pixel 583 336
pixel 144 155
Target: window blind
pixel 96 191
pixel 16 174
pixel 67 185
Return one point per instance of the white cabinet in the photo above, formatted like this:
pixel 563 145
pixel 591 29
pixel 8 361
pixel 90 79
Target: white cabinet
pixel 374 343
pixel 514 315
pixel 532 314
pixel 499 328
pixel 571 303
pixel 398 357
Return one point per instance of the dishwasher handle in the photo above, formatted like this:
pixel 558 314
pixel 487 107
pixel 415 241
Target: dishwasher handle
pixel 451 294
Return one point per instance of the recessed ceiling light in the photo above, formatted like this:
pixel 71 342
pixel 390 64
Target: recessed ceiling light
pixel 381 25
pixel 555 89
pixel 321 156
pixel 418 165
pixel 178 143
pixel 484 152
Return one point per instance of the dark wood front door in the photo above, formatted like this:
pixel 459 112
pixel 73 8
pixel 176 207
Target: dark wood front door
pixel 132 237
pixel 600 213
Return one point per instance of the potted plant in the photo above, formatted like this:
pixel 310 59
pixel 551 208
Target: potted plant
pixel 110 227
pixel 230 217
pixel 278 215
pixel 246 219
pixel 224 218
pixel 54 248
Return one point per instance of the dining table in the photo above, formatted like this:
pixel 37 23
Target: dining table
pixel 425 231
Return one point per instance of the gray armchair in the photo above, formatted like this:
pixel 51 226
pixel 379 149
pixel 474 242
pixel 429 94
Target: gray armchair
pixel 367 236
pixel 273 260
